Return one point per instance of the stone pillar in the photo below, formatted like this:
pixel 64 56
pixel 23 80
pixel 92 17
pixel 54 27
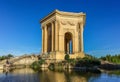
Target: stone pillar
pixel 79 40
pixel 52 25
pixel 56 36
pixel 73 44
pixel 68 47
pixel 42 39
pixel 61 43
pixel 72 47
pixel 81 37
pixel 46 38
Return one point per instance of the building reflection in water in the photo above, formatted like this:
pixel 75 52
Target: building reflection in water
pixel 28 75
pixel 45 75
pixel 60 76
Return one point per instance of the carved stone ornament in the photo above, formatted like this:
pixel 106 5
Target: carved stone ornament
pixel 71 23
pixel 63 22
pixel 68 22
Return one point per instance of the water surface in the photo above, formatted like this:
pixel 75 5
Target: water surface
pixel 29 75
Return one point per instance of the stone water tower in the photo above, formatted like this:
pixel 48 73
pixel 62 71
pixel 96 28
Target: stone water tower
pixel 62 33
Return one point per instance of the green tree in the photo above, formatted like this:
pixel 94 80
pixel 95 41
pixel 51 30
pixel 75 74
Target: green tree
pixel 10 55
pixel 112 58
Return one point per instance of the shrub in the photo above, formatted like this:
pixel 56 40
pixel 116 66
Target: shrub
pixel 67 57
pixel 88 62
pixel 52 66
pixel 41 61
pixel 37 64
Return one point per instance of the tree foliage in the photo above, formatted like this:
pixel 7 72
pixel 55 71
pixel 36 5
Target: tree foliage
pixel 112 58
pixel 67 57
pixel 6 57
pixel 37 64
pixel 10 55
pixel 88 61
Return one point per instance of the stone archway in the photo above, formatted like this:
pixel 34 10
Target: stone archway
pixel 68 46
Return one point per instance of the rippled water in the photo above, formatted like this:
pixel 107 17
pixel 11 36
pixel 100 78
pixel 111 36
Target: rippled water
pixel 28 75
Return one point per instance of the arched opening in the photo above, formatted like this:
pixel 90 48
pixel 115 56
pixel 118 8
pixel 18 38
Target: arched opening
pixel 49 38
pixel 68 46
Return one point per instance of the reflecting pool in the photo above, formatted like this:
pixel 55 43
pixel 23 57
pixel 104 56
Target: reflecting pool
pixel 29 75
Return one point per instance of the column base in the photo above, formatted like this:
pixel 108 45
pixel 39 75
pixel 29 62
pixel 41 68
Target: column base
pixel 77 55
pixel 60 55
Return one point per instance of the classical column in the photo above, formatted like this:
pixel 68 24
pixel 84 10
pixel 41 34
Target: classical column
pixel 73 45
pixel 56 36
pixel 79 40
pixel 68 48
pixel 46 38
pixel 81 37
pixel 52 25
pixel 42 39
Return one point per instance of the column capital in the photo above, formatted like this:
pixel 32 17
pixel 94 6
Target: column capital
pixel 57 21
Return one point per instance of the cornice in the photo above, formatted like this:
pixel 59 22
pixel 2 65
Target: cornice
pixel 62 13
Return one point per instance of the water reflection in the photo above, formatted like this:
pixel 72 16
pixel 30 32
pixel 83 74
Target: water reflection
pixel 20 75
pixel 60 76
pixel 66 76
pixel 28 75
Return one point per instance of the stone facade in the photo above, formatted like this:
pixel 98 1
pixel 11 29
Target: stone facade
pixel 62 33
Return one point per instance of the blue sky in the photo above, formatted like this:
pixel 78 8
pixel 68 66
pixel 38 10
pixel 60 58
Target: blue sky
pixel 20 31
